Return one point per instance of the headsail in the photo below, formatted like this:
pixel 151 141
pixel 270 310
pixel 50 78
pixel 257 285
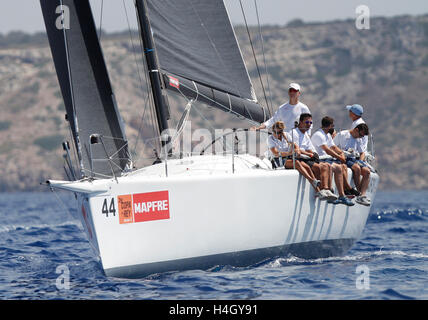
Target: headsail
pixel 199 55
pixel 85 86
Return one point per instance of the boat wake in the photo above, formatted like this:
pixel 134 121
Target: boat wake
pixel 360 257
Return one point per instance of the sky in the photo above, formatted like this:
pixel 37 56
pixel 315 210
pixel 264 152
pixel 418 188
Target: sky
pixel 25 15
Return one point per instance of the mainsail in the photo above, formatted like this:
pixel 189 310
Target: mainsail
pixel 85 86
pixel 199 55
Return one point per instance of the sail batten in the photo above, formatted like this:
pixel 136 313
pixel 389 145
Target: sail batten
pixel 215 98
pixel 85 86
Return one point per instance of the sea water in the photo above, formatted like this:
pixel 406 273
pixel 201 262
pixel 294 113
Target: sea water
pixel 44 254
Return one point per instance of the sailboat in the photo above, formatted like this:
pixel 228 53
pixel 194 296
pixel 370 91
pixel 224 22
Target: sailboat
pixel 192 211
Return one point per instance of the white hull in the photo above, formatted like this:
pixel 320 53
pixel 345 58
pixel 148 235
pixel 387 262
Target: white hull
pixel 212 216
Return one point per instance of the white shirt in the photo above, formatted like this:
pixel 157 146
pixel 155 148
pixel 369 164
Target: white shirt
pixel 365 139
pixel 302 140
pixel 345 141
pixel 321 138
pixel 280 145
pixel 288 113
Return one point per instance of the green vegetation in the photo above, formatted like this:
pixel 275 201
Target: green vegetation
pixel 49 143
pixel 21 103
pixel 4 125
pixel 296 23
pixel 19 38
pixel 425 61
pixel 33 88
pixel 6 147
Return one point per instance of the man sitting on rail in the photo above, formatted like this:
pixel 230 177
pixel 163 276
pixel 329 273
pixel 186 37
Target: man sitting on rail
pixel 350 141
pixel 331 154
pixel 309 155
pixel 281 148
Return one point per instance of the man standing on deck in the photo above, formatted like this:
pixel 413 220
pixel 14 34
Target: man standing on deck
pixel 289 112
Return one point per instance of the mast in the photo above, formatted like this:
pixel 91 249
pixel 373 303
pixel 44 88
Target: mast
pixel 161 106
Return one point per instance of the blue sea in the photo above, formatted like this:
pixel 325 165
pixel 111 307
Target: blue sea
pixel 44 254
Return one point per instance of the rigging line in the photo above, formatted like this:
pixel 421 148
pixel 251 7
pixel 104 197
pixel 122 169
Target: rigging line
pixel 216 51
pixel 61 201
pixel 98 174
pixel 101 20
pixel 228 110
pixel 152 116
pixel 139 75
pixel 73 145
pixel 200 113
pixel 154 143
pixel 254 53
pixel 270 108
pixel 70 79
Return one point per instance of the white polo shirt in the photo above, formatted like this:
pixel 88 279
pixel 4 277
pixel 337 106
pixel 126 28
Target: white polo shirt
pixel 320 138
pixel 280 145
pixel 365 139
pixel 302 140
pixel 345 141
pixel 288 113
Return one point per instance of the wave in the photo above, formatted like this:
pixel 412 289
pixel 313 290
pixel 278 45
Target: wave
pixel 409 214
pixel 38 227
pixel 395 294
pixel 292 260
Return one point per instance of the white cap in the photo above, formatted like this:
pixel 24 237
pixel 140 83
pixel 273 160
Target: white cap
pixel 294 86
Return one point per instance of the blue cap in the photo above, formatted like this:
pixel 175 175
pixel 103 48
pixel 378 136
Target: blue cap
pixel 356 109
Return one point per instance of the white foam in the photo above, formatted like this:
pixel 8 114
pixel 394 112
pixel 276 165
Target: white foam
pixel 9 228
pixel 280 262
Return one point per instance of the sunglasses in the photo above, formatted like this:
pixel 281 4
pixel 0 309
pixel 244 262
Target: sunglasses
pixel 278 132
pixel 308 122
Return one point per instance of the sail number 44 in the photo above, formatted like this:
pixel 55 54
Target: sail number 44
pixel 108 207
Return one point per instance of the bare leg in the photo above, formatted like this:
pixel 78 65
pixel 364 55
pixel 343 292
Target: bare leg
pixel 356 172
pixel 338 178
pixel 365 172
pixel 323 171
pixel 346 185
pixel 316 170
pixel 306 171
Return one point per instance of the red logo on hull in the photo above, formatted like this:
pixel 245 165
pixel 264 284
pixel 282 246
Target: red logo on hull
pixel 148 206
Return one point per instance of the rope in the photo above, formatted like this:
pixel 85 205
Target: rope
pixel 150 97
pixel 270 109
pixel 101 20
pixel 70 79
pixel 61 201
pixel 147 100
pixel 254 53
pixel 227 109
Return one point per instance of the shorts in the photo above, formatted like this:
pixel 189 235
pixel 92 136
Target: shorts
pixel 350 161
pixel 331 161
pixel 279 162
pixel 309 162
